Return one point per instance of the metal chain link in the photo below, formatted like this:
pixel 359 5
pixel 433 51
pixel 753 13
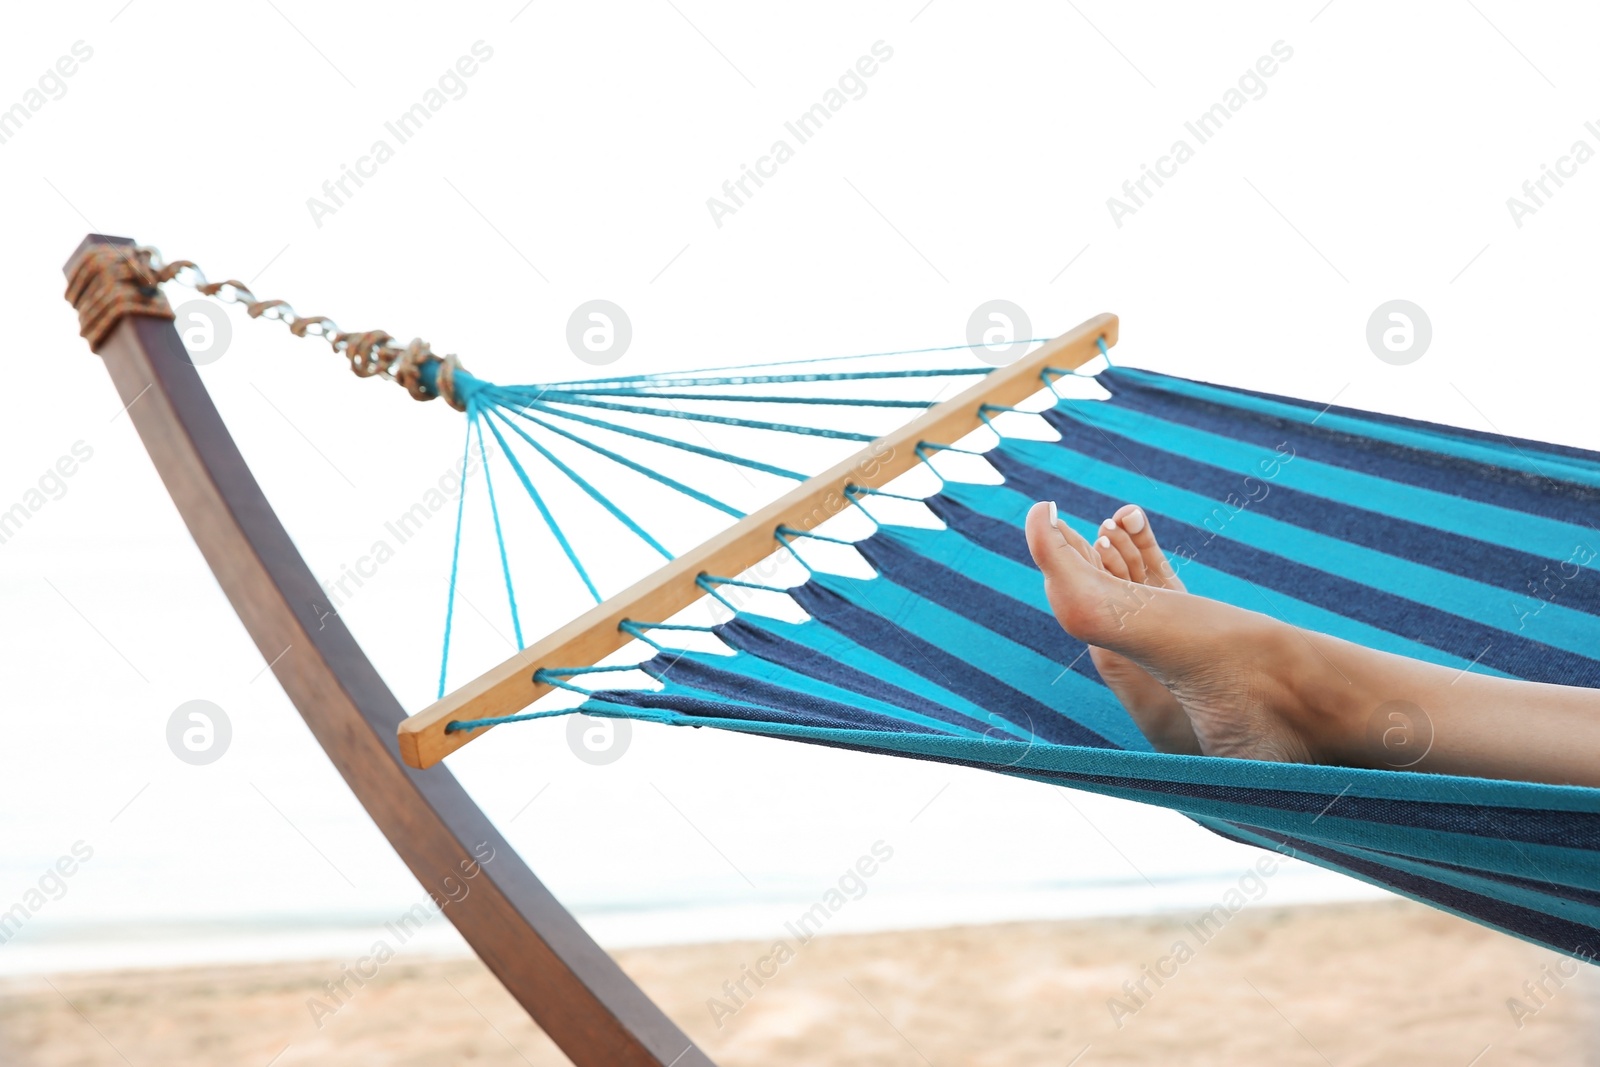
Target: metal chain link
pixel 370 353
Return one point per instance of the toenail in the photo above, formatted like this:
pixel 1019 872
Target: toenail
pixel 1109 524
pixel 1055 521
pixel 1133 521
pixel 1104 542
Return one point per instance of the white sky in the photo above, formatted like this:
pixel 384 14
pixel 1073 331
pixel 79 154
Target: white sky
pixel 577 166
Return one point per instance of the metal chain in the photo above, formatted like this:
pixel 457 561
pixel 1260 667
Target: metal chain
pixel 371 353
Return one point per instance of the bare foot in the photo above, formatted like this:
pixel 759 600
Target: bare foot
pixel 1254 687
pixel 1236 676
pixel 1126 547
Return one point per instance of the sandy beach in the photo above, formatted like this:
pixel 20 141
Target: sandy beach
pixel 1384 983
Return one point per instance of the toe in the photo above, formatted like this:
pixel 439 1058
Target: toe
pixel 1111 558
pixel 1048 535
pixel 1132 519
pixel 1121 545
pixel 1074 579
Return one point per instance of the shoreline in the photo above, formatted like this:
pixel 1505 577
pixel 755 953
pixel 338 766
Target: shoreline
pixel 1374 982
pixel 163 942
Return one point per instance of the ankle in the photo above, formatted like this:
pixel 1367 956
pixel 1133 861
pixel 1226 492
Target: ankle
pixel 1327 698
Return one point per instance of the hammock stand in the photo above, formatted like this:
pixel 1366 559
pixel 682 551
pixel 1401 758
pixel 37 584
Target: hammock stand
pixel 572 989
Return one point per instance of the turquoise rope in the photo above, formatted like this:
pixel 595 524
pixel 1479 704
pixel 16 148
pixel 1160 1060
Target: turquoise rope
pixel 778 536
pixel 544 512
pixel 595 494
pixel 696 416
pixel 458 725
pixel 787 529
pixel 751 398
pixel 526 399
pixel 703 580
pixel 850 495
pixel 950 448
pixel 884 492
pixel 674 626
pixel 985 409
pixel 922 455
pixel 599 668
pixel 1049 383
pixel 455 561
pixel 544 676
pixel 1044 374
pixel 724 601
pixel 645 435
pixel 700 379
pixel 628 627
pixel 474 420
pixel 824 359
pixel 671 483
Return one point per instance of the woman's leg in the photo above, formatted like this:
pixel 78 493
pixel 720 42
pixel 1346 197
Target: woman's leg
pixel 1255 687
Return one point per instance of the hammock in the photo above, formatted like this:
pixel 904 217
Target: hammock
pixel 1464 549
pixel 1417 539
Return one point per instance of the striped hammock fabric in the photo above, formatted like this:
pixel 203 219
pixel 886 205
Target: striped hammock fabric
pixel 1464 549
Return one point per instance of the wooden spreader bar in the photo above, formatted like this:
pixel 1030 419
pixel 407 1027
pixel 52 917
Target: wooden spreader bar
pixel 510 687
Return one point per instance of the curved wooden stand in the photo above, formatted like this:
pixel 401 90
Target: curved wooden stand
pixel 573 990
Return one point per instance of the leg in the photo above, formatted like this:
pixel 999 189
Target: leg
pixel 1257 688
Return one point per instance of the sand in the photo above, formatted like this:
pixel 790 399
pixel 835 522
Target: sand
pixel 1339 985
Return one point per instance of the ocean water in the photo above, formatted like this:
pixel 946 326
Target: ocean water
pixel 111 945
